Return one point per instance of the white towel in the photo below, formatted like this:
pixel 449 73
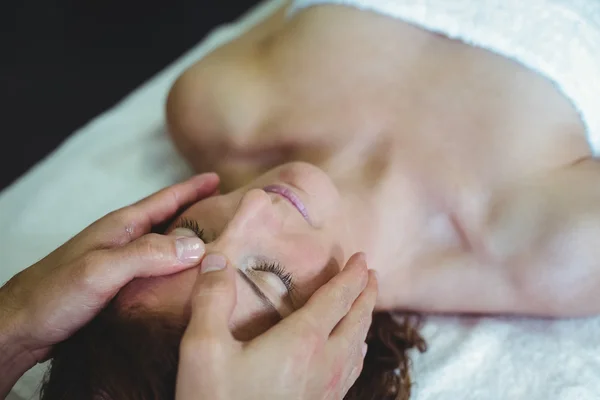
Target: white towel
pixel 559 39
pixel 124 155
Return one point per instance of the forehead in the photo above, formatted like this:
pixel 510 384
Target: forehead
pixel 212 212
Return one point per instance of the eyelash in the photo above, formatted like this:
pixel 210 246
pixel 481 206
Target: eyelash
pixel 278 270
pixel 193 226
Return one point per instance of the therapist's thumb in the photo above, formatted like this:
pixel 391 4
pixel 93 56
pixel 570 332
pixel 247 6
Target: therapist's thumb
pixel 213 299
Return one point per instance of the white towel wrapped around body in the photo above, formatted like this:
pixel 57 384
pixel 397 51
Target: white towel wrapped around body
pixel 559 39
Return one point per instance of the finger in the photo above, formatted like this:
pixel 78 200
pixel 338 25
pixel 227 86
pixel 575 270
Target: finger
pixel 82 287
pixel 207 341
pixel 131 222
pixel 167 202
pixel 213 301
pixel 354 373
pixel 352 330
pixel 328 305
pixel 107 271
pixel 347 341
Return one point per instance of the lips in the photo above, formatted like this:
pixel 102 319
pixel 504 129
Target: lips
pixel 290 196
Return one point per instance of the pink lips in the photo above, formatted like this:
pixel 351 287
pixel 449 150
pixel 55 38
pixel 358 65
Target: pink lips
pixel 290 196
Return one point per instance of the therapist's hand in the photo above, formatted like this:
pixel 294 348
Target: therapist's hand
pixel 316 353
pixel 51 300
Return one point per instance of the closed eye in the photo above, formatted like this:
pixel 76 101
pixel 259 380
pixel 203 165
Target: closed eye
pixel 278 270
pixel 259 292
pixel 275 268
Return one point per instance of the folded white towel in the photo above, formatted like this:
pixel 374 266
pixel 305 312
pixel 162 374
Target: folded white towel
pixel 559 39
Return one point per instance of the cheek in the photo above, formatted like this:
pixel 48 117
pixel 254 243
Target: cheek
pixel 312 264
pixel 309 281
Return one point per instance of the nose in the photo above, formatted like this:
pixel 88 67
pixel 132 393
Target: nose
pixel 253 217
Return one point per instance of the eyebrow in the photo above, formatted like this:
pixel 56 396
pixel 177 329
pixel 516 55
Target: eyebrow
pixel 261 295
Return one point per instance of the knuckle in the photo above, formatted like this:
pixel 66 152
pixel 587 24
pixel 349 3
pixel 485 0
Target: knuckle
pixel 172 196
pixel 125 223
pixel 152 246
pixel 169 197
pixel 121 217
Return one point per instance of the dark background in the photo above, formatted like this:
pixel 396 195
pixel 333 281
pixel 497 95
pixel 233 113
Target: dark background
pixel 63 62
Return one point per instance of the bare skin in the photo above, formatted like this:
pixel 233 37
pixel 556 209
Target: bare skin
pixel 468 177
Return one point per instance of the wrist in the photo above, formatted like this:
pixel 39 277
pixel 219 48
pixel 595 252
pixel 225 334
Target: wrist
pixel 15 359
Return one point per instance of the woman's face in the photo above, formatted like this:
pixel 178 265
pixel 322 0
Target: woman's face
pixel 285 232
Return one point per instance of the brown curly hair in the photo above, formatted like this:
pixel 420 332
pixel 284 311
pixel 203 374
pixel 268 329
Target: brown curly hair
pixel 135 358
pixel 386 370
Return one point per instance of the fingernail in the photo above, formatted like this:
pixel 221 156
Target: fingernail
pixel 212 262
pixel 365 347
pixel 375 273
pixel 182 232
pixel 189 249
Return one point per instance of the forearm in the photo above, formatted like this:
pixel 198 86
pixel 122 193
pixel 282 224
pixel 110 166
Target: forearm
pixel 14 359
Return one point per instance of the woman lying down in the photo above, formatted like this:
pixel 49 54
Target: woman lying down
pixel 467 178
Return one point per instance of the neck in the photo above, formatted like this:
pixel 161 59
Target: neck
pixel 389 210
pixel 374 195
